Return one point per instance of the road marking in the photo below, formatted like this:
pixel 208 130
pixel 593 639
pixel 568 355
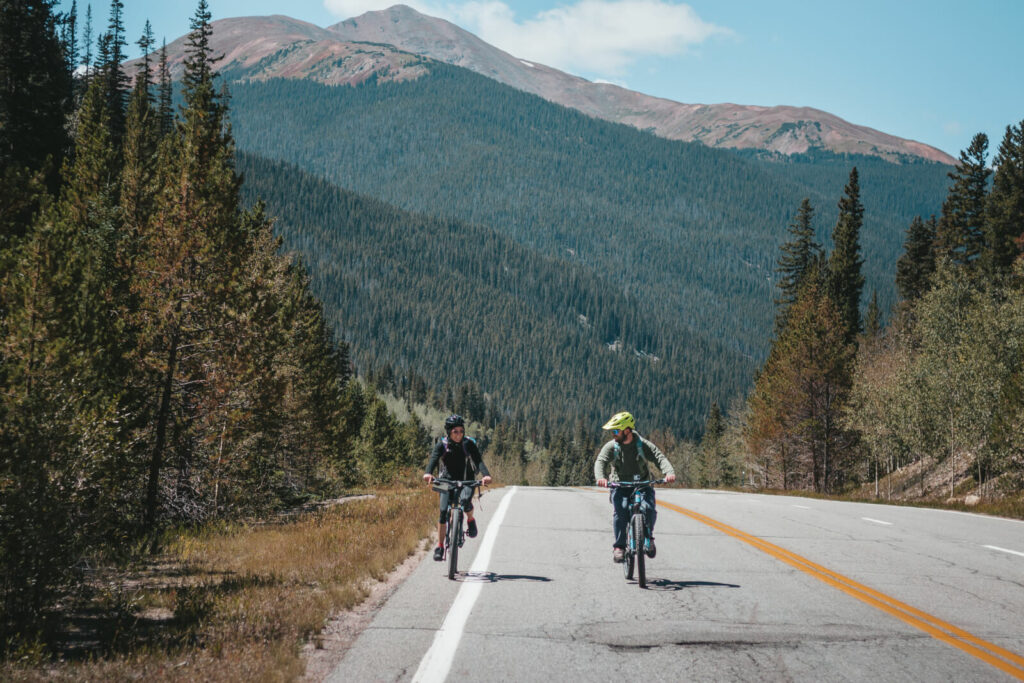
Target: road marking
pixel 437 662
pixel 876 521
pixel 989 653
pixel 1004 550
pixel 802 507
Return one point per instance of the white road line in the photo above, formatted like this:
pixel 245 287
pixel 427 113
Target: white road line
pixel 802 507
pixel 437 662
pixel 1003 550
pixel 876 521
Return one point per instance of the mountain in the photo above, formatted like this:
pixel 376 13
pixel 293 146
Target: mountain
pixel 390 45
pixel 781 129
pixel 259 48
pixel 599 266
pixel 675 241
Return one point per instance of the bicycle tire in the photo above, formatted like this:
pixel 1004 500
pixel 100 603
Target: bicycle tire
pixel 454 526
pixel 627 556
pixel 638 536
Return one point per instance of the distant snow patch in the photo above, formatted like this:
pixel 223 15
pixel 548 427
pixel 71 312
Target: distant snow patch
pixel 526 63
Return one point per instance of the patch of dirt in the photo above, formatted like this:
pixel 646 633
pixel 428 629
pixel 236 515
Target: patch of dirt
pixel 330 646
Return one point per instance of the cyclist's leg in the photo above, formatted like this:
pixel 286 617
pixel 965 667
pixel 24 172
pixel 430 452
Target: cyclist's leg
pixel 466 498
pixel 442 519
pixel 620 516
pixel 650 509
pixel 441 528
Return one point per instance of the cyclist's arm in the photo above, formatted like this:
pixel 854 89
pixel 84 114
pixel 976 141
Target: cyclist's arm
pixel 658 458
pixel 435 457
pixel 601 464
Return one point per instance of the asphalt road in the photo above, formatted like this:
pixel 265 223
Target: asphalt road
pixel 744 587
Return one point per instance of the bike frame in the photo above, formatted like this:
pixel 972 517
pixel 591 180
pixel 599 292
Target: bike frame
pixel 637 529
pixel 455 535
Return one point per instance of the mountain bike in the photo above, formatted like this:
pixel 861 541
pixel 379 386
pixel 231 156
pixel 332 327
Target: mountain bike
pixel 455 535
pixel 638 535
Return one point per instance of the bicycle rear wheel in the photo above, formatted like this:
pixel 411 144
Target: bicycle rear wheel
pixel 454 527
pixel 638 537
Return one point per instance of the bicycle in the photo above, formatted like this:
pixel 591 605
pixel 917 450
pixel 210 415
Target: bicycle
pixel 455 535
pixel 637 532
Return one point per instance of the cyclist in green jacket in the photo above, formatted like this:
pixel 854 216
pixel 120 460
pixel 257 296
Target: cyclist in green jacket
pixel 626 456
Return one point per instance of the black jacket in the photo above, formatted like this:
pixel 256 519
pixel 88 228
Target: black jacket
pixel 454 462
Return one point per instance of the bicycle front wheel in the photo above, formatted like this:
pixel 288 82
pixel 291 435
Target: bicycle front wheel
pixel 639 535
pixel 628 555
pixel 454 527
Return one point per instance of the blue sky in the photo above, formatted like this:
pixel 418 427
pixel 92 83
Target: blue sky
pixel 937 71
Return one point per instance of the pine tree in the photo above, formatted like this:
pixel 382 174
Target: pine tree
pixel 35 98
pixel 69 37
pixel 65 367
pixel 115 82
pixel 140 144
pixel 959 234
pixel 87 41
pixel 35 89
pixel 796 259
pixel 844 279
pixel 915 267
pixel 195 246
pixel 1004 211
pixel 165 110
pixel 798 397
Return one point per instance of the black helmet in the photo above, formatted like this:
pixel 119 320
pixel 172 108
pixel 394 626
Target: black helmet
pixel 452 422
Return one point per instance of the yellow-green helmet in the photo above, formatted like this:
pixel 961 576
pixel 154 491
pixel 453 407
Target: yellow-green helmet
pixel 620 421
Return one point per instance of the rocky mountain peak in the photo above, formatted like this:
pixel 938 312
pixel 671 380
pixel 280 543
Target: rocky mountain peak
pixel 397 43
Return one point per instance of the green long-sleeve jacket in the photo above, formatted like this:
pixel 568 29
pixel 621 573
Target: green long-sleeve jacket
pixel 630 463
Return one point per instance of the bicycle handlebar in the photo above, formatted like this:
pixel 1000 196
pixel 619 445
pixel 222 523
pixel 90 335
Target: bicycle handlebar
pixel 633 484
pixel 460 482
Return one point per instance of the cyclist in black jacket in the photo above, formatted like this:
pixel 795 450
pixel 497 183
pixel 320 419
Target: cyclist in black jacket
pixel 459 458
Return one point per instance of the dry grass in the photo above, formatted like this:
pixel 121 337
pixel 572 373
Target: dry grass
pixel 238 603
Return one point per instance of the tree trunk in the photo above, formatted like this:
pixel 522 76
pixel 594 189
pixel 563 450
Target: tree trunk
pixel 162 417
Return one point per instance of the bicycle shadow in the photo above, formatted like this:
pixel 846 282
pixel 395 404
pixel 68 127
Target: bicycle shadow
pixel 667 585
pixel 491 577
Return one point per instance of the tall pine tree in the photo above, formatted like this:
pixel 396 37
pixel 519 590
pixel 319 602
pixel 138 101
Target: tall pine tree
pixel 797 257
pixel 959 235
pixel 915 267
pixel 1004 224
pixel 844 279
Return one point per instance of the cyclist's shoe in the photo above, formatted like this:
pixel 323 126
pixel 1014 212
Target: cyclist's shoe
pixel 649 547
pixel 618 555
pixel 471 528
pixel 438 554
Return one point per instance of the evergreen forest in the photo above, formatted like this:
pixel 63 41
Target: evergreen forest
pixel 674 241
pixel 928 405
pixel 163 363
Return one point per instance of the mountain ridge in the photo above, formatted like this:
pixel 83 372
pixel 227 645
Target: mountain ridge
pixel 399 44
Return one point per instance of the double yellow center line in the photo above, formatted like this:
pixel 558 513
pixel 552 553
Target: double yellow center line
pixel 998 657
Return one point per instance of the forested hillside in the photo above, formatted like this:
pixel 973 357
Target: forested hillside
pixel 685 233
pixel 458 302
pixel 927 406
pixel 162 363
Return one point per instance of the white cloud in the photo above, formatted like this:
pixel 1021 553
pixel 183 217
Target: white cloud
pixel 952 128
pixel 595 36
